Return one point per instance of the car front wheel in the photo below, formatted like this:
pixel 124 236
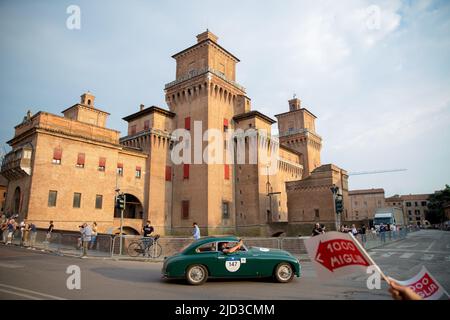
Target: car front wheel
pixel 196 274
pixel 284 272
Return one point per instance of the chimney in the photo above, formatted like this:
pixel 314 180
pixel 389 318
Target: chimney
pixel 141 107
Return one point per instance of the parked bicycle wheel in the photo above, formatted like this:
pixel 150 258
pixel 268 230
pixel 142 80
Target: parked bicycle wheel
pixel 155 250
pixel 135 248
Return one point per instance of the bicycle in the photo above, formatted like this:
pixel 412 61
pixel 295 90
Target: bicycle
pixel 147 246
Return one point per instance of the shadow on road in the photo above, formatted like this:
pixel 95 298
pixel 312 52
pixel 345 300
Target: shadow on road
pixel 134 275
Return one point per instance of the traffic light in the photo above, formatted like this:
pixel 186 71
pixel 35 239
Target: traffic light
pixel 339 204
pixel 120 202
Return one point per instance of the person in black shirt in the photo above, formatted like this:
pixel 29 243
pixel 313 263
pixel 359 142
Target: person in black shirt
pixel 49 231
pixel 363 233
pixel 148 230
pixel 317 230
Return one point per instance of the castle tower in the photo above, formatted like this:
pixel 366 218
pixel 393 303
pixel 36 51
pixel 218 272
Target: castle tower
pixel 86 112
pixel 204 94
pixel 297 130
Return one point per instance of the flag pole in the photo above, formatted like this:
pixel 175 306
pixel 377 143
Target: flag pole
pixel 370 259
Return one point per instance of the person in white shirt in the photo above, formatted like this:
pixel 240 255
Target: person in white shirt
pixel 196 231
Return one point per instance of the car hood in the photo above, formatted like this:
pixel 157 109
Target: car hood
pixel 271 251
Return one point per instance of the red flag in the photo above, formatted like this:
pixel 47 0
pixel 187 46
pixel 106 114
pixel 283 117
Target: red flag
pixel 335 254
pixel 425 285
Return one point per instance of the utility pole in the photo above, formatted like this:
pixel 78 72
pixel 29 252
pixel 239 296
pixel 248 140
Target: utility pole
pixel 335 190
pixel 121 200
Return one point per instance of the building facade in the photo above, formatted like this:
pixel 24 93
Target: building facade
pixel 414 207
pixel 3 188
pixel 364 203
pixel 70 168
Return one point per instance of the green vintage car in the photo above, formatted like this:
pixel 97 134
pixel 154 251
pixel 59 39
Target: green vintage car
pixel 204 259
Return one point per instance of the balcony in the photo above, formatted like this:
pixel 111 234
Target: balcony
pixel 17 163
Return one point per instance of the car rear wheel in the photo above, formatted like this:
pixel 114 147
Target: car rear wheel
pixel 196 274
pixel 284 272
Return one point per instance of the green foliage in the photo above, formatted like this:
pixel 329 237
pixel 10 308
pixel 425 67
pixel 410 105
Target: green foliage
pixel 436 204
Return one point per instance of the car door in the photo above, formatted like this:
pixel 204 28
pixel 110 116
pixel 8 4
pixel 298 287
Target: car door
pixel 236 264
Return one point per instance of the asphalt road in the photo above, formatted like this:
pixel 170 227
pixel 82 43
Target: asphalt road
pixel 27 274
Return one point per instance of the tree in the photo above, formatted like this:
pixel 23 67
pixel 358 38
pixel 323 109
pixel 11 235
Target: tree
pixel 436 204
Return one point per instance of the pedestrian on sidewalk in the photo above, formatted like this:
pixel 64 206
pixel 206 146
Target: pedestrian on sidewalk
pixel 48 235
pixel 11 229
pixel 382 233
pixel 4 228
pixel 94 235
pixel 26 235
pixel 33 233
pixel 196 231
pixel 317 230
pixel 22 232
pixel 363 233
pixel 322 226
pixel 354 231
pixel 86 238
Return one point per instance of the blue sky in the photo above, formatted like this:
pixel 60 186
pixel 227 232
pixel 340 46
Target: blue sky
pixel 381 91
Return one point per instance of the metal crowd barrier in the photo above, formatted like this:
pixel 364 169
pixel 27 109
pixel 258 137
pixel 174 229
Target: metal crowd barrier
pixel 109 245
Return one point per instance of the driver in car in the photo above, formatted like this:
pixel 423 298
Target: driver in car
pixel 226 249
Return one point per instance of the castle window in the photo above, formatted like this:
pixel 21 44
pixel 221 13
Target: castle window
pixel 89 102
pixel 185 209
pixel 168 173
pixel 77 200
pixel 186 171
pixel 132 130
pixel 98 201
pixel 225 125
pixel 316 213
pixel 187 123
pixel 80 160
pixel 52 196
pixel 225 210
pixel 102 164
pixel 146 124
pixel 57 156
pixel 138 172
pixel 227 171
pixel 120 169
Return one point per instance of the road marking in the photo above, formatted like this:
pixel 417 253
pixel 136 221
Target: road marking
pixel 387 254
pixel 411 250
pixel 427 257
pixel 20 294
pixel 31 291
pixel 428 249
pixel 10 265
pixel 407 255
pixel 407 245
pixel 447 258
